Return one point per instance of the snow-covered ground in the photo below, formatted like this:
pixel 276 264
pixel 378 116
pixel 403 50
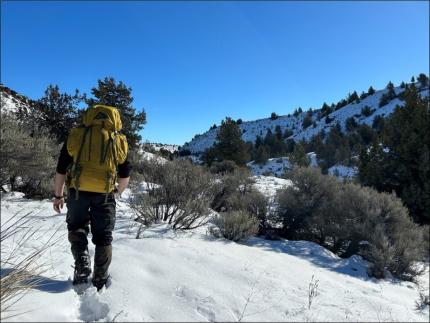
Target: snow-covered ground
pixel 274 166
pixel 278 166
pixel 191 276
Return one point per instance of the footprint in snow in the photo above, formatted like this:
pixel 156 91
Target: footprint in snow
pixel 203 306
pixel 91 308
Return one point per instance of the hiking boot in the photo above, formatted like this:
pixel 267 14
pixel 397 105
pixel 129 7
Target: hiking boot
pixel 102 260
pixel 99 282
pixel 82 269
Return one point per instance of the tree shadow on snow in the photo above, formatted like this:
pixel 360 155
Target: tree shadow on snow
pixel 41 283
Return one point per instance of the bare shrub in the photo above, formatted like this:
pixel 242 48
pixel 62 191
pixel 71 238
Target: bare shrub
pixel 29 154
pixel 422 302
pixel 227 185
pixel 349 219
pixel 302 206
pixel 251 201
pixel 235 225
pixel 224 167
pixel 312 291
pixel 176 192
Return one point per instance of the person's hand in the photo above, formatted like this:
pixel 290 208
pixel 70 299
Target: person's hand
pixel 116 193
pixel 58 204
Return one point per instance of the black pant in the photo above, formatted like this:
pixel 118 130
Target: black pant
pixel 90 209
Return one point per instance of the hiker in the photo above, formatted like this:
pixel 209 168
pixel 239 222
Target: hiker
pixel 91 159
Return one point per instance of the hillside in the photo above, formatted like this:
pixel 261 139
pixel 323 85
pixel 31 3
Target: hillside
pixel 11 101
pixel 252 129
pixel 171 276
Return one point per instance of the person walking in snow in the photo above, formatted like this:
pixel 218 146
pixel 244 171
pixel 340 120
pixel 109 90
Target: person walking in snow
pixel 91 160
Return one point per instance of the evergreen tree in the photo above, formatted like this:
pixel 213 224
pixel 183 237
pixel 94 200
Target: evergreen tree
pixel 258 141
pixel 262 155
pixel 287 133
pixel 58 112
pixel 366 111
pixel 325 109
pixel 350 124
pixel 278 132
pixel 273 116
pixel 363 95
pixel 378 123
pixel 400 161
pixel 390 86
pixel 352 97
pixel 412 79
pixel 371 91
pixel 299 157
pixel 229 145
pixel 307 121
pixel 423 79
pixel 118 95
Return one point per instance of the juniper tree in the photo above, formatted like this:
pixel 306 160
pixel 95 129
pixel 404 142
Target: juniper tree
pixel 55 111
pixel 118 95
pixel 229 145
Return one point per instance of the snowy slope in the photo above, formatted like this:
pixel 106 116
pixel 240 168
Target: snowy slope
pixel 252 129
pixel 11 103
pixel 159 146
pixel 168 276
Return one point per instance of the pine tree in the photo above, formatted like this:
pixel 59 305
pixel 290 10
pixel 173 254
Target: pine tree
pixel 390 86
pixel 363 95
pixel 371 91
pixel 299 157
pixel 118 95
pixel 400 160
pixel 278 132
pixel 58 112
pixel 423 79
pixel 273 116
pixel 307 121
pixel 325 109
pixel 412 79
pixel 403 134
pixel 287 133
pixel 229 145
pixel 258 141
pixel 261 155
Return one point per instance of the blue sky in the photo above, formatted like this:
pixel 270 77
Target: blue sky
pixel 190 64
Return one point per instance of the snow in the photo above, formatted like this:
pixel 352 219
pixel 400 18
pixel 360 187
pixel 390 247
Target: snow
pixel 278 166
pixel 268 185
pixel 191 276
pixel 8 103
pixel 159 146
pixel 274 166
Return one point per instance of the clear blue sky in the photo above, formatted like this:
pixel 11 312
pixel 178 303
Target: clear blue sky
pixel 190 64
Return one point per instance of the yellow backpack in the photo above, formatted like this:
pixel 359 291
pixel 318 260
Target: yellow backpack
pixel 97 148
